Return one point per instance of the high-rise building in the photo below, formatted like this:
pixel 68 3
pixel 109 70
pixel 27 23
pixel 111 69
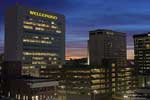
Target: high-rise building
pixel 35 39
pixel 109 47
pixel 142 58
pixel 34 52
pixel 107 44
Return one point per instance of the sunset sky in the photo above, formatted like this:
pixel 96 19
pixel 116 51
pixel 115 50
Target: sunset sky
pixel 129 16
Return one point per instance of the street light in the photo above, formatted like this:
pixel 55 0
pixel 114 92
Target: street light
pixel 94 92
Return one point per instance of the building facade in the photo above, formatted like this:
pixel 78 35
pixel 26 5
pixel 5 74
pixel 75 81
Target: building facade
pixel 85 82
pixel 34 51
pixel 1 80
pixel 142 58
pixel 36 39
pixel 107 44
pixel 109 47
pixel 32 89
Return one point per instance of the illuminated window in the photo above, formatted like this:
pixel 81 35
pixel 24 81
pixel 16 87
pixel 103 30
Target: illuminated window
pixel 39 29
pixel 147 46
pixel 25 67
pixel 113 75
pixel 33 98
pixel 37 58
pixel 16 96
pixel 50 58
pixel 52 22
pixel 19 97
pixel 95 87
pixel 9 94
pixel 55 58
pixel 95 70
pixel 24 98
pixel 54 27
pixel 52 38
pixel 113 65
pixel 54 62
pixel 39 54
pixel 28 23
pixel 43 67
pixel 38 62
pixel 113 79
pixel 30 19
pixel 37 41
pixel 27 27
pixel 96 81
pixel 32 67
pixel 113 70
pixel 58 31
pixel 96 76
pixel 45 38
pixel 36 37
pixel 36 24
pixel 109 33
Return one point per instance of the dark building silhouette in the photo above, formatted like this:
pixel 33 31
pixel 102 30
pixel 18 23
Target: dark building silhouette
pixel 80 61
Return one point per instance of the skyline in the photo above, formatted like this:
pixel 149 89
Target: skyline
pixel 82 16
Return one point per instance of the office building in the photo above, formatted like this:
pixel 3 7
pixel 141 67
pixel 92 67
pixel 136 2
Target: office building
pixel 34 51
pixel 35 39
pixel 32 89
pixel 1 80
pixel 142 58
pixel 109 47
pixel 133 82
pixel 107 44
pixel 85 82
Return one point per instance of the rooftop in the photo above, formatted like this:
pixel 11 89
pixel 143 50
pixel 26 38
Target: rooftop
pixel 142 35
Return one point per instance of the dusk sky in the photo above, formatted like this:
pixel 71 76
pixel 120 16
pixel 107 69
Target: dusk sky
pixel 129 16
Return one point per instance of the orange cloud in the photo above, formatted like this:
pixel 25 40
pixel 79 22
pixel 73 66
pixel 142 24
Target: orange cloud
pixel 76 53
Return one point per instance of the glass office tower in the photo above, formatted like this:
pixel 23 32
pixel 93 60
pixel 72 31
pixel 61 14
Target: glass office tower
pixel 142 58
pixel 36 39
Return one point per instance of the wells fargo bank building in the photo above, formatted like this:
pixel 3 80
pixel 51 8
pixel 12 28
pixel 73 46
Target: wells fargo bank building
pixel 35 39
